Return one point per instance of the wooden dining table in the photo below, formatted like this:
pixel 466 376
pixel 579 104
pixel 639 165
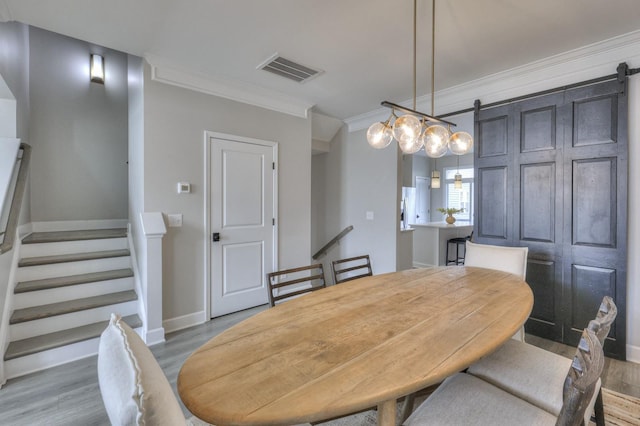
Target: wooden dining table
pixel 353 346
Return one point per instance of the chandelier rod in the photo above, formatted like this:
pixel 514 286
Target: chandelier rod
pixel 415 44
pixel 413 111
pixel 433 57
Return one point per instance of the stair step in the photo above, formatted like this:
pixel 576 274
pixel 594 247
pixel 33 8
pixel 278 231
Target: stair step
pixel 75 257
pixel 53 309
pixel 56 282
pixel 45 342
pixel 89 234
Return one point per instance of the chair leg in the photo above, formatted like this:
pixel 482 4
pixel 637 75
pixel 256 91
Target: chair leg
pixel 598 409
pixel 446 255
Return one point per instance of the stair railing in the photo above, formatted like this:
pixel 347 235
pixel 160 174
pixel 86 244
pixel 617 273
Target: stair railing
pixel 333 242
pixel 9 234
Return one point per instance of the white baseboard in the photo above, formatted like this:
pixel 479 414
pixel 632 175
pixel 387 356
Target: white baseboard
pixel 421 265
pixel 155 336
pixel 185 321
pixel 633 354
pixel 74 225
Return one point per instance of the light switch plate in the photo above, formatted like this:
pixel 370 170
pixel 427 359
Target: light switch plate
pixel 369 215
pixel 175 220
pixel 184 187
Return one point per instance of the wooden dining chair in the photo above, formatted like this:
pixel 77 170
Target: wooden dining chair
pixel 535 375
pixel 293 282
pixel 351 268
pixel 464 399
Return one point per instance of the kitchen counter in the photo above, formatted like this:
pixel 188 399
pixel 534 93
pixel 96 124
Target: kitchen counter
pixel 430 239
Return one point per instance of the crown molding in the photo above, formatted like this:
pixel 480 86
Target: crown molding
pixel 585 63
pixel 164 72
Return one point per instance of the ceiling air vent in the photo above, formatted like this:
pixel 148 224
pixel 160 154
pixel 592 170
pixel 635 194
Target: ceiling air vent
pixel 288 69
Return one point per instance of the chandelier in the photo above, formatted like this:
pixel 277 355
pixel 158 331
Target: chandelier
pixel 415 130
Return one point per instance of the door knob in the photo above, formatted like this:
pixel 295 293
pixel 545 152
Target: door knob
pixel 216 237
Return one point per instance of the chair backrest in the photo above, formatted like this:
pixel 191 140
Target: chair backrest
pixel 133 386
pixel 297 281
pixel 606 315
pixel 580 384
pixel 506 259
pixel 351 268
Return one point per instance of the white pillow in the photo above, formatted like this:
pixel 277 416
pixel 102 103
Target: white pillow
pixel 134 388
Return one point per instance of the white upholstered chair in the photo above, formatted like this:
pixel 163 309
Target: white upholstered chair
pixel 134 388
pixel 506 259
pixel 536 375
pixel 464 399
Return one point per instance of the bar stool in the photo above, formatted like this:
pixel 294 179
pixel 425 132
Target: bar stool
pixel 459 242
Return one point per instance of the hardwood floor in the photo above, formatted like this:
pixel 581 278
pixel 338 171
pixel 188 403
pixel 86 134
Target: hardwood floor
pixel 69 394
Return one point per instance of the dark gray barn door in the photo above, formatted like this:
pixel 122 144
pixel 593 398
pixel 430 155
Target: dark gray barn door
pixel 551 174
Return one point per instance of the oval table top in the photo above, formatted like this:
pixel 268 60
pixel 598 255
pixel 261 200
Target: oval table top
pixel 353 346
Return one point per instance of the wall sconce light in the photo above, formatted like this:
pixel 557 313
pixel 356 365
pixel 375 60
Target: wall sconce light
pixel 97 69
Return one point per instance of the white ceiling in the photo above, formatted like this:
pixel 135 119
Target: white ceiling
pixel 364 47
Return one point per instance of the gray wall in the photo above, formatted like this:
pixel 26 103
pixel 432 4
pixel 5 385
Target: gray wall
pixel 420 167
pixel 78 131
pixel 359 179
pixel 175 121
pixel 319 194
pixel 14 69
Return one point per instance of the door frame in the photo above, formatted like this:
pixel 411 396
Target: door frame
pixel 208 135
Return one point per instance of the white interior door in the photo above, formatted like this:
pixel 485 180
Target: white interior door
pixel 422 199
pixel 242 223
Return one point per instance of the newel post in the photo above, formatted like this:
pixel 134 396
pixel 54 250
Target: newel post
pixel 151 276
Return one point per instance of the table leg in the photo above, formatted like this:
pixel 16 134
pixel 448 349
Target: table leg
pixel 407 407
pixel 387 413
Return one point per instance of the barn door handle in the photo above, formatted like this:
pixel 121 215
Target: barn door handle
pixel 216 237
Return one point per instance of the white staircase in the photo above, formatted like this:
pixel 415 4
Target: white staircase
pixel 68 283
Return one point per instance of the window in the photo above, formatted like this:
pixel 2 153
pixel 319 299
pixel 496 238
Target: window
pixel 460 198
